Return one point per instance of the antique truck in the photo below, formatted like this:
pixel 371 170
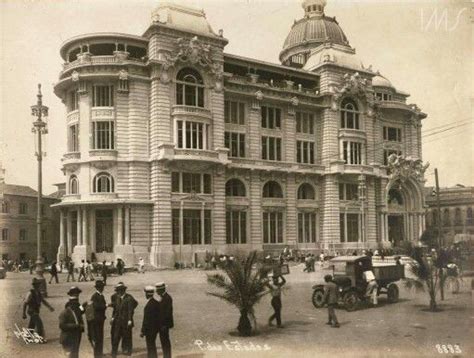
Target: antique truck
pixel 348 276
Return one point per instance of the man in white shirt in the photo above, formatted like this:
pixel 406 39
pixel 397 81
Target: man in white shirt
pixel 141 265
pixel 371 289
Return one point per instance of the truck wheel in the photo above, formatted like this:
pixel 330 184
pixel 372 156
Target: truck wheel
pixel 351 301
pixel 392 293
pixel 318 298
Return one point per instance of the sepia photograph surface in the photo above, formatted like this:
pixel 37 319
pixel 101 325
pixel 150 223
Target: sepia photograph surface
pixel 236 178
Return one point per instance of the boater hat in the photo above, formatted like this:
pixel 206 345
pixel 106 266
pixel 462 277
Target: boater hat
pixel 120 285
pixel 149 289
pixel 160 285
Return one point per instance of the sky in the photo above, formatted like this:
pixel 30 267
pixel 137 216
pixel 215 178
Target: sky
pixel 432 60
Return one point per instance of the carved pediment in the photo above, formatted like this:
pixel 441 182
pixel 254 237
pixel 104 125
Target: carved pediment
pixel 400 168
pixel 353 86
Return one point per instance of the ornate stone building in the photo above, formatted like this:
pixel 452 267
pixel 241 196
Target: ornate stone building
pixel 457 204
pixel 176 148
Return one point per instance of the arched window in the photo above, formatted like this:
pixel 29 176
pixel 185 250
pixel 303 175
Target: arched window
pixel 395 197
pixel 234 187
pixel 349 114
pixel 103 183
pixel 272 189
pixel 73 185
pixel 5 207
pixel 189 88
pixel 458 217
pixel 306 192
pixel 446 218
pixel 469 219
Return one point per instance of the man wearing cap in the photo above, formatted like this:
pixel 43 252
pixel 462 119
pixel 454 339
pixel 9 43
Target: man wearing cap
pixel 151 315
pixel 32 305
pixel 96 326
pixel 71 323
pixel 165 321
pixel 123 306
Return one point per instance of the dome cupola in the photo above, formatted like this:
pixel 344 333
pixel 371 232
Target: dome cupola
pixel 313 30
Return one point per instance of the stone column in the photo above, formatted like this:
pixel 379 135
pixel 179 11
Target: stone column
pixel 386 227
pixel 79 227
pixel 69 232
pixel 382 227
pixel 85 241
pixel 62 244
pixel 127 226
pixel 119 226
pixel 92 230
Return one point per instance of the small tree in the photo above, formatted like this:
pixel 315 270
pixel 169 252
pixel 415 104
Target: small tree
pixel 242 285
pixel 426 278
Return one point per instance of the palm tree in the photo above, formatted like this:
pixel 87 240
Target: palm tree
pixel 242 285
pixel 425 278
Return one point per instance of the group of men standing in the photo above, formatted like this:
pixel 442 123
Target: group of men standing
pixel 157 318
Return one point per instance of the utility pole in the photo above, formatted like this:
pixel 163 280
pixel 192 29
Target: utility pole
pixel 438 208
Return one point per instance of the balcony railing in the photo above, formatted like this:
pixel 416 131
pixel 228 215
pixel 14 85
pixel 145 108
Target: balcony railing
pixel 191 110
pixel 100 60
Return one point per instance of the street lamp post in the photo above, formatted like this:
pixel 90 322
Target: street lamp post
pixel 39 128
pixel 362 197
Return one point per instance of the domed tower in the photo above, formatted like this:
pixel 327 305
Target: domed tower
pixel 306 34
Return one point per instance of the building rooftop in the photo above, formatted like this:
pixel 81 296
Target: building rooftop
pixel 20 190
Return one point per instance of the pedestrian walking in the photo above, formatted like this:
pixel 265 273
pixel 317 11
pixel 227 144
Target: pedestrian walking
pixel 31 266
pixel 141 265
pixel 70 271
pixel 54 272
pixel 96 327
pixel 32 305
pixel 372 287
pixel 150 325
pixel 166 321
pixel 103 271
pixel 275 290
pixel 71 323
pixel 330 297
pixel 89 268
pixel 82 272
pixel 120 264
pixel 123 305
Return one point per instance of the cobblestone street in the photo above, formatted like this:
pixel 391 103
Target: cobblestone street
pixel 404 329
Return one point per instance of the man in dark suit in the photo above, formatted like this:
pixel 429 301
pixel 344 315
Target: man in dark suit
pixel 165 321
pixel 331 300
pixel 71 323
pixel 32 305
pixel 151 314
pixel 123 306
pixel 97 324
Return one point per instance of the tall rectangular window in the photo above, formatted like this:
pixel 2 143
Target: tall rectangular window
pixel 196 224
pixel 234 112
pixel 236 144
pixel 191 135
pixel 348 191
pixel 4 234
pixel 349 224
pixel 387 153
pixel 304 152
pixel 102 96
pixel 73 144
pixel 236 227
pixel 271 117
pixel 392 134
pixel 182 182
pixel 304 123
pixel 271 148
pixel 103 135
pixel 272 227
pixel 23 235
pixel 23 209
pixel 306 227
pixel 73 101
pixel 352 152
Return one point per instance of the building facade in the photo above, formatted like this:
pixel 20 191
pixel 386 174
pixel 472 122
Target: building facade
pixel 176 148
pixel 457 204
pixel 18 210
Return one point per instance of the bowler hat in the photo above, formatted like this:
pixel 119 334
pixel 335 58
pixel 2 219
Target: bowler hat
pixel 74 291
pixel 99 283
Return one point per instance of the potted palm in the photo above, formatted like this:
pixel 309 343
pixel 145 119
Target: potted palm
pixel 242 286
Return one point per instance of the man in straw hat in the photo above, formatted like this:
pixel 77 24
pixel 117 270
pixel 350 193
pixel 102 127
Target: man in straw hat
pixel 151 315
pixel 71 323
pixel 123 306
pixel 165 322
pixel 96 327
pixel 32 305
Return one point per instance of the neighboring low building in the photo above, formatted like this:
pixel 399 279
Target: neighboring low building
pixel 456 206
pixel 18 210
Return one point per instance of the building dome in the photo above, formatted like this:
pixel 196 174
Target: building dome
pixel 380 81
pixel 311 31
